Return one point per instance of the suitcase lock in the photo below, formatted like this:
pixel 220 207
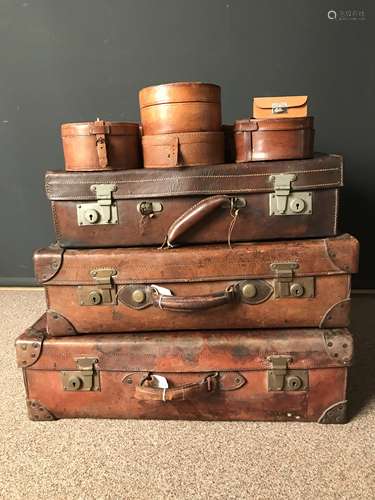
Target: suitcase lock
pixel 287 285
pixel 283 202
pixel 282 379
pixel 86 378
pixel 102 293
pixel 103 211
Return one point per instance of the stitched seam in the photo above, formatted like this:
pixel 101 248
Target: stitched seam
pixel 55 221
pixel 228 176
pixel 335 214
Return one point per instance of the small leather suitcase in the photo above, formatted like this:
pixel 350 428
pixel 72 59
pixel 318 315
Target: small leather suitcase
pixel 101 145
pixel 294 106
pixel 244 202
pixel 267 139
pixel 252 285
pixel 184 149
pixel 275 375
pixel 180 107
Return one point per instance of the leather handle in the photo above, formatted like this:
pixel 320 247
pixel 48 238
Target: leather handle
pixel 192 216
pixel 146 392
pixel 194 302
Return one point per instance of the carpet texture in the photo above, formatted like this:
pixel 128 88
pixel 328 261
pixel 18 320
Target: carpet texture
pixel 87 459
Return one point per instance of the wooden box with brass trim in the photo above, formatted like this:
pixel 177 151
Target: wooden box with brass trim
pixel 275 375
pixel 296 283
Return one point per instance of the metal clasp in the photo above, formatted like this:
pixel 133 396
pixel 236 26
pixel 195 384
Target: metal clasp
pixel 282 379
pixel 279 107
pixel 286 285
pixel 86 378
pixel 103 211
pixel 103 292
pixel 284 202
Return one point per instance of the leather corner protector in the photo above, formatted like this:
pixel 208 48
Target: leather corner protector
pixel 230 381
pixel 335 414
pixel 337 254
pixel 38 412
pixel 337 315
pixel 29 348
pixel 47 262
pixel 58 325
pixel 339 345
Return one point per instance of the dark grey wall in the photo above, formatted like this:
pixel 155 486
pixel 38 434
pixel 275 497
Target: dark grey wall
pixel 74 60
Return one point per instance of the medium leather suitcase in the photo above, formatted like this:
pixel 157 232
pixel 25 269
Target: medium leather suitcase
pixel 101 145
pixel 184 149
pixel 252 285
pixel 274 375
pixel 244 202
pixel 294 106
pixel 268 139
pixel 180 107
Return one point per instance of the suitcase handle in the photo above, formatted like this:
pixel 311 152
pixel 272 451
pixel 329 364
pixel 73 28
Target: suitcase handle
pixel 194 302
pixel 192 216
pixel 146 391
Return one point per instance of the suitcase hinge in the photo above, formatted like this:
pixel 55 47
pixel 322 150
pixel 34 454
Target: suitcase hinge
pixel 286 285
pixel 283 202
pixel 104 291
pixel 282 379
pixel 86 378
pixel 103 211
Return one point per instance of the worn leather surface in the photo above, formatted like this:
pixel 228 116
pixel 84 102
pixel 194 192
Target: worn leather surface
pixel 206 270
pixel 270 139
pixel 296 106
pixel 179 190
pixel 184 149
pixel 125 360
pixel 180 107
pixel 101 145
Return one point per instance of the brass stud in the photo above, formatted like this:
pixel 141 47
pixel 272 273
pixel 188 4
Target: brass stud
pixel 249 290
pixel 138 296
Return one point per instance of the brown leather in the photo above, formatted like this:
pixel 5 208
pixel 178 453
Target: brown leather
pixel 267 107
pixel 204 270
pixel 180 107
pixel 184 149
pixel 145 391
pixel 194 303
pixel 101 145
pixel 236 361
pixel 178 190
pixel 270 139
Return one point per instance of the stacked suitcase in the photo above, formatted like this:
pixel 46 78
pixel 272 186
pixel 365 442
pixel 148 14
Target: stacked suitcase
pixel 214 291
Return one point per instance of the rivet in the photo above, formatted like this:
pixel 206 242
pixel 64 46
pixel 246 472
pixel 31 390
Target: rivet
pixel 33 354
pixel 138 296
pixel 35 345
pixel 24 347
pixel 330 344
pixel 129 381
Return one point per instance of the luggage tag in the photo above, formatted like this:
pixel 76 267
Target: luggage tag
pixel 160 382
pixel 160 290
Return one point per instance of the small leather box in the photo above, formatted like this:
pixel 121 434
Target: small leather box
pixel 180 107
pixel 185 149
pixel 294 106
pixel 101 145
pixel 269 139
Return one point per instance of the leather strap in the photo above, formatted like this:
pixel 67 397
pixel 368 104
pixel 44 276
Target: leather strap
pixel 193 216
pixel 194 302
pixel 191 148
pixel 100 129
pixel 146 392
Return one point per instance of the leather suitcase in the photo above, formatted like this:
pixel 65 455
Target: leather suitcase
pixel 244 202
pixel 180 107
pixel 275 375
pixel 270 139
pixel 101 145
pixel 252 285
pixel 184 149
pixel 294 106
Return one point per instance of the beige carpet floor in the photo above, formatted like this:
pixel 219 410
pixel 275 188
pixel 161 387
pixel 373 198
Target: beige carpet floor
pixel 87 459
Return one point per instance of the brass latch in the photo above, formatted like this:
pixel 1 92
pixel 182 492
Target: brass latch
pixel 85 378
pixel 149 207
pixel 284 202
pixel 282 379
pixel 103 293
pixel 287 285
pixel 103 211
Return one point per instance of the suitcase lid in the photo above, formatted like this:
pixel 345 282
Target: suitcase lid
pixel 321 172
pixel 199 351
pixel 314 257
pixel 268 124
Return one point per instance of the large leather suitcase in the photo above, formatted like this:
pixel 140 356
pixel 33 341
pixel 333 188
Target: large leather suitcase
pixel 255 285
pixel 247 202
pixel 180 107
pixel 101 145
pixel 275 375
pixel 269 139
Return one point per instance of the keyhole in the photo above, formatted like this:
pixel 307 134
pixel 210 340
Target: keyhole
pixel 74 383
pixel 297 206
